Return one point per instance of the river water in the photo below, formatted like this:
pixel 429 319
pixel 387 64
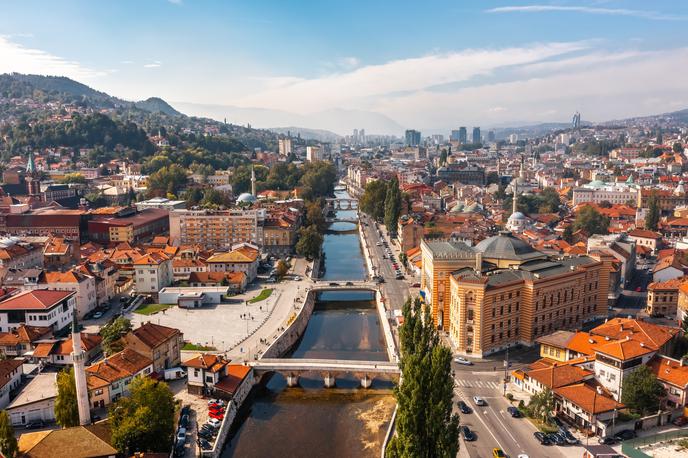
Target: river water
pixel 311 421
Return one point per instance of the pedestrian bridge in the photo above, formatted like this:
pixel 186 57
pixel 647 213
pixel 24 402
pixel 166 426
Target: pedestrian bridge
pixel 342 203
pixel 328 369
pixel 337 219
pixel 322 285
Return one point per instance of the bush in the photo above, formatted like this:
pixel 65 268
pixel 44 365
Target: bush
pixel 510 396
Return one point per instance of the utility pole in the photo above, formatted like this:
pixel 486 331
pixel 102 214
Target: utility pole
pixel 506 368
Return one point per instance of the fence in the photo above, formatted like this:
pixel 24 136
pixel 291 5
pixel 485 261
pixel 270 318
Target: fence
pixel 631 447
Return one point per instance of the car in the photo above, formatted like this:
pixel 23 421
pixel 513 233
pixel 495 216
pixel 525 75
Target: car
pixel 415 285
pixel 522 455
pixel 214 423
pixel 399 277
pixel 608 440
pixel 217 415
pixel 464 408
pixel 462 360
pixel 97 315
pixel 381 280
pixel 479 401
pixel 184 421
pixel 680 421
pixel 349 283
pixel 35 424
pixel 638 289
pixel 555 438
pixel 205 434
pixel 217 410
pixel 181 436
pixel 467 434
pixel 207 429
pixel 334 283
pixel 570 438
pixel 624 435
pixel 205 445
pixel 542 438
pixel 179 450
pixel 378 244
pixel 514 412
pixel 185 410
pixel 498 453
pixel 218 402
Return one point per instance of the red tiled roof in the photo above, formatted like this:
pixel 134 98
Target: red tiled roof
pixel 39 299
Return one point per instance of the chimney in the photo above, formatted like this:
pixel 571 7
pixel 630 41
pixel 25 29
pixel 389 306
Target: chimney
pixel 599 390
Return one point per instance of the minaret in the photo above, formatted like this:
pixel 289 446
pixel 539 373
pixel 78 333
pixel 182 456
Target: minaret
pixel 253 181
pixel 78 362
pixel 514 196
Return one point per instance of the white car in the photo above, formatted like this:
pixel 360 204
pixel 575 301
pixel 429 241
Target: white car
pixel 214 422
pixel 522 455
pixel 462 360
pixel 479 401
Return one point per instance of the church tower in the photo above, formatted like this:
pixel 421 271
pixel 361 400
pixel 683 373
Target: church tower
pixel 33 181
pixel 79 364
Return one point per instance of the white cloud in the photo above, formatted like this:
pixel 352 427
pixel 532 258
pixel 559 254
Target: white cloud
pixel 18 58
pixel 413 74
pixel 154 64
pixel 651 15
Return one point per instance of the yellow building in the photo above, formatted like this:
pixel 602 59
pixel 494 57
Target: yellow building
pixel 662 297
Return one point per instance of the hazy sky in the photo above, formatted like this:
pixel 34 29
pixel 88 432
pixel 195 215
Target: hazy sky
pixel 426 64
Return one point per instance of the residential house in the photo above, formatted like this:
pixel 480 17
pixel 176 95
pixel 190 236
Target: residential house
pixel 161 344
pixel 237 384
pixel 662 297
pixel 242 258
pixel 37 308
pixel 668 268
pixel 58 352
pixel 235 280
pixel 35 401
pixel 23 339
pixel 204 372
pixel 673 375
pixel 57 253
pixel 646 238
pixel 110 378
pixel 92 441
pixel 10 378
pixel 153 272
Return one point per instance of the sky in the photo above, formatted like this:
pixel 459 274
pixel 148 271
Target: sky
pixel 429 65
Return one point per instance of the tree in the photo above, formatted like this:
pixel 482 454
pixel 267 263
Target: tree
pixel 372 201
pixel 66 409
pixel 653 213
pixel 8 443
pixel 282 268
pixel 73 178
pixel 113 333
pixel 403 258
pixel 443 157
pixel 425 424
pixel 168 179
pixel 314 215
pixel 143 421
pixel 318 179
pixel 310 241
pixel 541 405
pixel 392 206
pixel 591 221
pixel 642 391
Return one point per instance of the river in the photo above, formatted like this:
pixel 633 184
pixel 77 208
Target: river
pixel 311 421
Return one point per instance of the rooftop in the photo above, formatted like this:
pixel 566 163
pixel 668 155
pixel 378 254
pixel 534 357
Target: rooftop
pixel 39 299
pixel 42 386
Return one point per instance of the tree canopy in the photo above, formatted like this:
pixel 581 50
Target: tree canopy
pixel 310 241
pixel 112 333
pixel 66 408
pixel 653 213
pixel 8 443
pixel 591 221
pixel 144 420
pixel 426 427
pixel 392 205
pixel 167 180
pixel 642 391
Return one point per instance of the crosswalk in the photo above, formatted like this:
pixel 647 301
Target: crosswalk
pixel 477 384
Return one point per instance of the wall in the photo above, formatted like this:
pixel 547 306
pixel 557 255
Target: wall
pixel 293 332
pixel 390 344
pixel 230 415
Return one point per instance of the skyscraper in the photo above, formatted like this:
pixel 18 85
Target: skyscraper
pixel 454 135
pixel 412 137
pixel 476 135
pixel 463 135
pixel 491 136
pixel 576 120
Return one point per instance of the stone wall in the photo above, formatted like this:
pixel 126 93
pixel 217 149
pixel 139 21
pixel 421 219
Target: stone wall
pixel 230 415
pixel 390 344
pixel 293 332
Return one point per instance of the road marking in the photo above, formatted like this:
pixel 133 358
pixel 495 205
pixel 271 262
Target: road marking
pixel 477 415
pixel 505 428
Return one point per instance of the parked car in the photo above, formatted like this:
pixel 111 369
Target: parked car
pixel 415 285
pixel 399 277
pixel 555 438
pixel 464 408
pixel 479 401
pixel 608 440
pixel 334 283
pixel 625 435
pixel 205 445
pixel 467 434
pixel 514 412
pixel 570 438
pixel 498 453
pixel 185 410
pixel 35 424
pixel 349 283
pixel 462 360
pixel 219 402
pixel 680 421
pixel 181 436
pixel 179 450
pixel 184 421
pixel 542 438
pixel 217 415
pixel 97 315
pixel 214 423
pixel 205 434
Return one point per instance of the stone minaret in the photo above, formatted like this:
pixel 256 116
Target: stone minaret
pixel 514 196
pixel 79 362
pixel 253 181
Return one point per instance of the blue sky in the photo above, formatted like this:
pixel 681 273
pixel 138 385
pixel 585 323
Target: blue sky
pixel 425 64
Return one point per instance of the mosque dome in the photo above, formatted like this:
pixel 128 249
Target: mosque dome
pixel 506 246
pixel 246 197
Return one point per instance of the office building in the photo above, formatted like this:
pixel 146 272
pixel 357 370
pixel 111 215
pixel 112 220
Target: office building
pixel 476 135
pixel 412 137
pixel 463 135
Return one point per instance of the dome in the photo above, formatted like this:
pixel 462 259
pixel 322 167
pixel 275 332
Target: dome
pixel 517 216
pixel 458 208
pixel 474 207
pixel 596 184
pixel 506 246
pixel 246 197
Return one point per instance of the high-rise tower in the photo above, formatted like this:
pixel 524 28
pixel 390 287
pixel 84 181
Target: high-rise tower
pixel 79 364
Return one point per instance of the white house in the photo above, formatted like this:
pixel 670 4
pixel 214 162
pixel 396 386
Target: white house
pixel 204 372
pixel 36 401
pixel 153 271
pixel 10 378
pixel 242 258
pixel 37 308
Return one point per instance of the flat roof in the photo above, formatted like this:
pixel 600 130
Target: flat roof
pixel 42 387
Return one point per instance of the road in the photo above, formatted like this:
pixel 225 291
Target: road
pixel 395 291
pixel 492 424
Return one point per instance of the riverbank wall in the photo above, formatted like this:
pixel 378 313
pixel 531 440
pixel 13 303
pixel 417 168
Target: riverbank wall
pixel 294 330
pixel 366 251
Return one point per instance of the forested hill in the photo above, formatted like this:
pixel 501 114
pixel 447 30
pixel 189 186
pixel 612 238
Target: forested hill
pixel 50 111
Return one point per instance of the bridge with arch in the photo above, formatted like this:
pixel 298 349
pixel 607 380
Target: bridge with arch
pixel 342 203
pixel 328 369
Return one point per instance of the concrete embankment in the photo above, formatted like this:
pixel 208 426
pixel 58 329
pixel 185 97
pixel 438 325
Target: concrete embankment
pixel 293 330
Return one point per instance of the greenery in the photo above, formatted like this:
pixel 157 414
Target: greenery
pixel 653 213
pixel 66 409
pixel 282 268
pixel 591 221
pixel 8 443
pixel 642 391
pixel 547 201
pixel 188 346
pixel 314 215
pixel 167 180
pixel 73 178
pixel 592 147
pixel 372 202
pixel 425 424
pixel 144 420
pixel 150 309
pixel 310 241
pixel 392 206
pixel 541 405
pixel 318 180
pixel 264 294
pixel 113 333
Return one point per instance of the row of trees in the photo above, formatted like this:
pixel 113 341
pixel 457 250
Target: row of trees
pixel 547 201
pixel 382 200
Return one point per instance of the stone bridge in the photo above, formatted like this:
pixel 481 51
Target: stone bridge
pixel 337 219
pixel 328 369
pixel 342 203
pixel 323 285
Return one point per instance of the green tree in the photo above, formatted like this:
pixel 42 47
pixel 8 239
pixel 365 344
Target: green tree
pixel 113 333
pixel 168 179
pixel 642 391
pixel 144 420
pixel 314 215
pixel 403 258
pixel 318 179
pixel 66 409
pixel 591 221
pixel 392 206
pixel 310 241
pixel 677 147
pixel 282 268
pixel 73 178
pixel 372 202
pixel 541 405
pixel 653 213
pixel 443 157
pixel 426 427
pixel 8 443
